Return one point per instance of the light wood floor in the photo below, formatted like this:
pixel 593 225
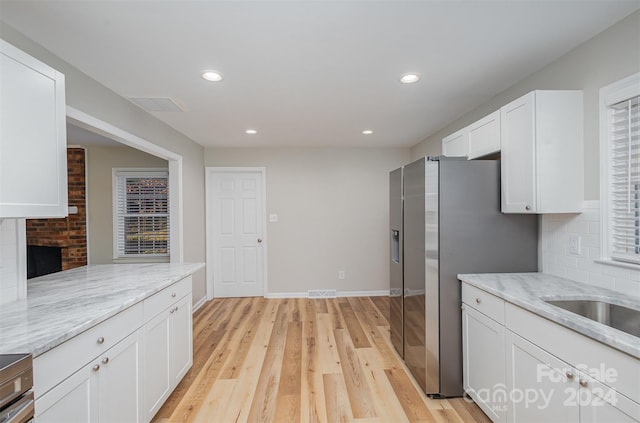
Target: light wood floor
pixel 301 360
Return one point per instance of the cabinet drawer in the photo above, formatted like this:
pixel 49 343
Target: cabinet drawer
pixel 52 367
pixel 484 302
pixel 614 368
pixel 163 299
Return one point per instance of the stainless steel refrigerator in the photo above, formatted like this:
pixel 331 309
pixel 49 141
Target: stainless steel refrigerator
pixel 450 223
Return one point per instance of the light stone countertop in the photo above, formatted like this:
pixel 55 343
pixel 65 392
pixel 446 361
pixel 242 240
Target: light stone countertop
pixel 529 290
pixel 62 305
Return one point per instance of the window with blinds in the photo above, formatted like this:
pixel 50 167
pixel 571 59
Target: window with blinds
pixel 624 179
pixel 141 215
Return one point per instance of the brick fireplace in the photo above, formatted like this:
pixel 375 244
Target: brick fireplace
pixel 70 233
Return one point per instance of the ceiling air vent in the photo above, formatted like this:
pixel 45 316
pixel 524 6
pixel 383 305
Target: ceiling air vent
pixel 157 104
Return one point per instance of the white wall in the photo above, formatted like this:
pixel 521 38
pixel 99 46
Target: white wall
pixel 89 96
pixel 332 206
pixel 100 162
pixel 608 57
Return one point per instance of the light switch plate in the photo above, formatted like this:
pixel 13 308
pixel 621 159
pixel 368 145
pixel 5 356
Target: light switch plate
pixel 273 218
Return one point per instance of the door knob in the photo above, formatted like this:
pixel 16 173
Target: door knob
pixel 259 240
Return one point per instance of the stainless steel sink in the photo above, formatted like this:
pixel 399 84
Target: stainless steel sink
pixel 616 316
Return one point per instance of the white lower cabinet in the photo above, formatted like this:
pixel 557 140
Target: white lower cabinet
pixel 544 387
pixel 529 369
pixel 156 363
pixel 107 389
pixel 168 353
pixel 123 369
pixel 539 385
pixel 118 401
pixel 182 340
pixel 483 346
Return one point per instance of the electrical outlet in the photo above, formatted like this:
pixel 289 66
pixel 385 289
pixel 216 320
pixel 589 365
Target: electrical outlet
pixel 574 244
pixel 341 274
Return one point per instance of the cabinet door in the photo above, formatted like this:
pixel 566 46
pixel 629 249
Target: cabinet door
pixel 73 401
pixel 540 385
pixel 483 347
pixel 456 144
pixel 181 339
pixel 601 404
pixel 120 381
pixel 157 380
pixel 518 163
pixel 33 158
pixel 484 136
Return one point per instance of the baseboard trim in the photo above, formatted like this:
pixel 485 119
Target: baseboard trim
pixel 199 304
pixel 374 293
pixel 286 295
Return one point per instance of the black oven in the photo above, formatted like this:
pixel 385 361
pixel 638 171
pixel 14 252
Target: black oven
pixel 16 395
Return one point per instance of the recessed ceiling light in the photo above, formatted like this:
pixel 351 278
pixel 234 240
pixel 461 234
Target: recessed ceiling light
pixel 251 131
pixel 367 132
pixel 212 76
pixel 409 78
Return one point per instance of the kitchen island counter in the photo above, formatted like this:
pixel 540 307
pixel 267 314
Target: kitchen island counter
pixel 530 290
pixel 62 305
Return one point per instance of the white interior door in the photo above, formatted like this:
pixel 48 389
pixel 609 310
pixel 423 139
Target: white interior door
pixel 235 216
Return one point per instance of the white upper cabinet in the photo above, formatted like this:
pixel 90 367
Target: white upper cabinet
pixel 484 136
pixel 542 153
pixel 456 144
pixel 33 157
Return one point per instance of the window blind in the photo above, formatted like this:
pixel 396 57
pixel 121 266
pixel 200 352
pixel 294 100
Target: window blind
pixel 624 118
pixel 142 214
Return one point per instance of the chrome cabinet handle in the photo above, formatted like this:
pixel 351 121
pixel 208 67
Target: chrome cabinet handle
pixel 101 340
pixel 96 367
pixel 583 383
pixel 569 375
pixel 105 360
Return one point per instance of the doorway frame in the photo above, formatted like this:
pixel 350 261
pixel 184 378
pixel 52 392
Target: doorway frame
pixel 98 126
pixel 210 262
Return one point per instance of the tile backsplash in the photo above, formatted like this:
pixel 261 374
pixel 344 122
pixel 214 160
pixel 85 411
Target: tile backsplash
pixel 558 259
pixel 10 267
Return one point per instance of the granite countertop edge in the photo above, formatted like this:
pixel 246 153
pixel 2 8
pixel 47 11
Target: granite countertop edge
pixel 39 302
pixel 530 290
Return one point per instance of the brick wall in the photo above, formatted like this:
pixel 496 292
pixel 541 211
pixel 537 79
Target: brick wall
pixel 69 233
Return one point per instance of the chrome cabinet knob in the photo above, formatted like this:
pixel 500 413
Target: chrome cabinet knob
pixel 569 375
pixel 527 207
pixel 173 310
pixel 478 300
pixel 100 340
pixel 173 295
pixel 583 383
pixel 259 240
pixel 105 360
pixel 96 367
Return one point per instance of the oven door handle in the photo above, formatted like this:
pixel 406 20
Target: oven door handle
pixel 21 411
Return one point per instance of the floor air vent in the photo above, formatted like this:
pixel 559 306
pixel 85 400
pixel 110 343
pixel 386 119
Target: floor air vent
pixel 322 293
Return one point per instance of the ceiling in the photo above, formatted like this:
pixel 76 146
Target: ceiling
pixel 312 73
